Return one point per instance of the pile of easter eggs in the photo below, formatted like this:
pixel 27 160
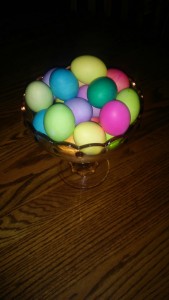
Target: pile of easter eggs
pixel 84 103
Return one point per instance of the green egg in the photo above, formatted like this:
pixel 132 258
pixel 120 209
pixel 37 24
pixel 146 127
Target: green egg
pixel 59 122
pixel 38 96
pixel 130 97
pixel 114 144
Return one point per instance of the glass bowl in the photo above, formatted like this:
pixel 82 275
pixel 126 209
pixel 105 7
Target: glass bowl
pixel 78 169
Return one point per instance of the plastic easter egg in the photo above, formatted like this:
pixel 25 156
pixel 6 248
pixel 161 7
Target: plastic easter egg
pixel 130 97
pixel 81 109
pixel 64 84
pixel 115 118
pixel 86 68
pixel 119 77
pixel 59 122
pixel 88 133
pixel 38 96
pixel 38 121
pixel 101 91
pixel 46 76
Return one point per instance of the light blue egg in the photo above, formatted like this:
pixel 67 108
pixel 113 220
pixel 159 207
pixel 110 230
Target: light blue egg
pixel 38 121
pixel 64 84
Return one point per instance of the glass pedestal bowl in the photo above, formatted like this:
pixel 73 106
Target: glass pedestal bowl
pixel 78 168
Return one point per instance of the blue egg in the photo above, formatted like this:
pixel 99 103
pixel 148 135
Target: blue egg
pixel 81 109
pixel 38 121
pixel 64 84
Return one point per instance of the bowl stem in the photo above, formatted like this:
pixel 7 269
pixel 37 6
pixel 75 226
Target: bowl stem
pixel 84 175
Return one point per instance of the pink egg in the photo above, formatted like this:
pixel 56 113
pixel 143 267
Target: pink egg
pixel 119 77
pixel 115 117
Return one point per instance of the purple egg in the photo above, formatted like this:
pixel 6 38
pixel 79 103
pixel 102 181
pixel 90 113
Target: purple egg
pixel 82 93
pixel 46 76
pixel 81 109
pixel 96 111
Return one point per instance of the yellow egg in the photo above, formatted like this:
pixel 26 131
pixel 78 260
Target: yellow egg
pixel 89 133
pixel 70 139
pixel 59 100
pixel 81 83
pixel 86 68
pixel 67 148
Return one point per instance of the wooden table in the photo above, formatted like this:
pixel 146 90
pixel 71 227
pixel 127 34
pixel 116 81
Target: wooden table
pixel 108 242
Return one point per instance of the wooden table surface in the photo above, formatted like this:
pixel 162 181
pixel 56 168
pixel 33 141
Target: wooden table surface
pixel 108 242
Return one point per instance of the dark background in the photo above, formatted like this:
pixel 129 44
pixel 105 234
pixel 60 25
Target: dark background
pixel 50 34
pixel 149 18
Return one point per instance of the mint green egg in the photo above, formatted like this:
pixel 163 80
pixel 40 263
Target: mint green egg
pixel 130 97
pixel 59 122
pixel 38 96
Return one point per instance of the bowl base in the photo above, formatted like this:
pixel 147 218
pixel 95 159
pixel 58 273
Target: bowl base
pixel 84 175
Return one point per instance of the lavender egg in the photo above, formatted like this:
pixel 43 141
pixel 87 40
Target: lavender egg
pixel 81 109
pixel 46 76
pixel 82 93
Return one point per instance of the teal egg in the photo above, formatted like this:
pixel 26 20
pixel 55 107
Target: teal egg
pixel 100 91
